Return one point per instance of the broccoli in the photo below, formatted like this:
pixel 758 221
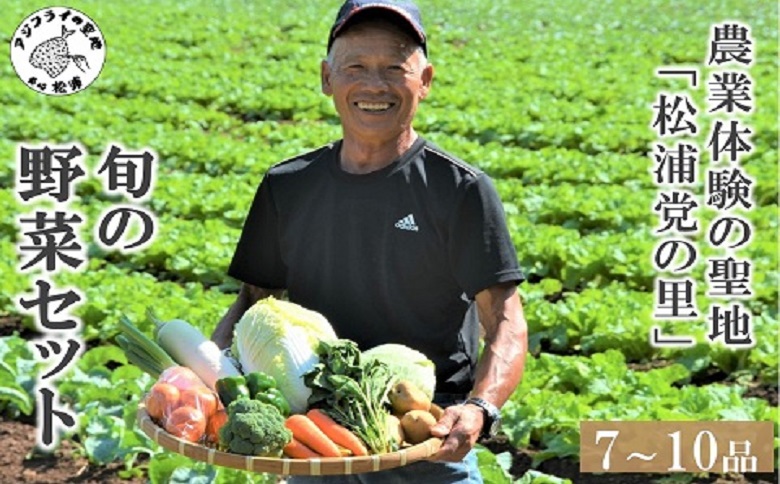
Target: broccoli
pixel 254 428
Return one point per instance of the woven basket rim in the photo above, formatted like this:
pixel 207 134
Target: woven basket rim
pixel 285 465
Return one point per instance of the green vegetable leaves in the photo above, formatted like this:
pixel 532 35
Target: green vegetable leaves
pixel 560 391
pixel 335 376
pixel 352 393
pixel 16 377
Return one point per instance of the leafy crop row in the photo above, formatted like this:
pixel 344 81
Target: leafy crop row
pixel 560 391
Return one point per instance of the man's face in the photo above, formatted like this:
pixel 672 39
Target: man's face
pixel 377 77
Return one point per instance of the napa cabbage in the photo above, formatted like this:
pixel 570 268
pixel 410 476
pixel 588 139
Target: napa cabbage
pixel 280 338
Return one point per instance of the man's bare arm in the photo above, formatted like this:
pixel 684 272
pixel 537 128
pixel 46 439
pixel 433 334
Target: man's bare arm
pixel 500 368
pixel 248 295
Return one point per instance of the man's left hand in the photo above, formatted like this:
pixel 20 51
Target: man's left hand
pixel 460 427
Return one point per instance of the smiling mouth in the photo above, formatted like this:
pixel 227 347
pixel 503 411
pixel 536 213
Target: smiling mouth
pixel 374 107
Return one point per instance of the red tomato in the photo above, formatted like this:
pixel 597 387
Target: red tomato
pixel 187 423
pixel 181 377
pixel 201 398
pixel 162 399
pixel 215 423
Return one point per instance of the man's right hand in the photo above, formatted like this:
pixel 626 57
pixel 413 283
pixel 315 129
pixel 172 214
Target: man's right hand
pixel 248 295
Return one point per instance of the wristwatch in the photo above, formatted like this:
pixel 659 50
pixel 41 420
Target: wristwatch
pixel 492 415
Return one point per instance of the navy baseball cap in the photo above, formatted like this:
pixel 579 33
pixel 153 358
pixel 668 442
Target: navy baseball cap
pixel 403 13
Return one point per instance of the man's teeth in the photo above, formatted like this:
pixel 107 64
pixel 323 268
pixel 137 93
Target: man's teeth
pixel 373 106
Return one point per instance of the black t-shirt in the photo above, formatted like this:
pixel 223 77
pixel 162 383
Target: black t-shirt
pixel 393 256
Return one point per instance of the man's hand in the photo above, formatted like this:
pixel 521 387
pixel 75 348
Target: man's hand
pixel 461 425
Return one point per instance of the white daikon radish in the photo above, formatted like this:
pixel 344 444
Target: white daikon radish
pixel 190 348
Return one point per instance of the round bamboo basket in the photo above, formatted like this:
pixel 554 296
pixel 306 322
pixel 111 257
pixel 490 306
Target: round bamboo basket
pixel 285 466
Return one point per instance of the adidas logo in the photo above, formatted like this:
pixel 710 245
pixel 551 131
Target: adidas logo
pixel 407 223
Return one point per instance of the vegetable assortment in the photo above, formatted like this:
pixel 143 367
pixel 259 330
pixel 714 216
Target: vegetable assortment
pixel 296 389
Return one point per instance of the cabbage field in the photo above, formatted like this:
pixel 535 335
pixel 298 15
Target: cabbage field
pixel 552 99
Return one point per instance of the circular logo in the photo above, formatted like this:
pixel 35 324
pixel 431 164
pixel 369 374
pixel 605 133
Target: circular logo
pixel 58 51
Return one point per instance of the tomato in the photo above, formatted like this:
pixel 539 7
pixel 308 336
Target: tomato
pixel 201 398
pixel 181 377
pixel 187 423
pixel 215 423
pixel 162 399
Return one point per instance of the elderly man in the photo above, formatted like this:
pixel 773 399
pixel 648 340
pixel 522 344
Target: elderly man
pixel 392 239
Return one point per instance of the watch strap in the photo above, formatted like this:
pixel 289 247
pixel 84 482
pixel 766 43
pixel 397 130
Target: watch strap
pixel 490 411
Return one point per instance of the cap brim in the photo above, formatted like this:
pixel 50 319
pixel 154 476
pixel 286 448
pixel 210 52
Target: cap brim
pixel 344 22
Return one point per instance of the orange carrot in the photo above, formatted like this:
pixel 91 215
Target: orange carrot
pixel 298 450
pixel 336 432
pixel 309 434
pixel 344 451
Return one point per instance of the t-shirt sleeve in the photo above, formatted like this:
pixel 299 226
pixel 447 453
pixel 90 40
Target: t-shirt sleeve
pixel 257 259
pixel 480 250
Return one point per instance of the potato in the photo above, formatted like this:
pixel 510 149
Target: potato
pixel 436 411
pixel 417 425
pixel 405 396
pixel 395 430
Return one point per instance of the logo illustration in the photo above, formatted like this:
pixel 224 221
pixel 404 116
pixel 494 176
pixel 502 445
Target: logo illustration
pixel 407 223
pixel 58 51
pixel 52 55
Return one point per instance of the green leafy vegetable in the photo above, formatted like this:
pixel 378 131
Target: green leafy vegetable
pixel 353 393
pixel 16 385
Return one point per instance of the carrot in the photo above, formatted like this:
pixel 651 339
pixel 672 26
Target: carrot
pixel 336 432
pixel 297 450
pixel 309 434
pixel 344 451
